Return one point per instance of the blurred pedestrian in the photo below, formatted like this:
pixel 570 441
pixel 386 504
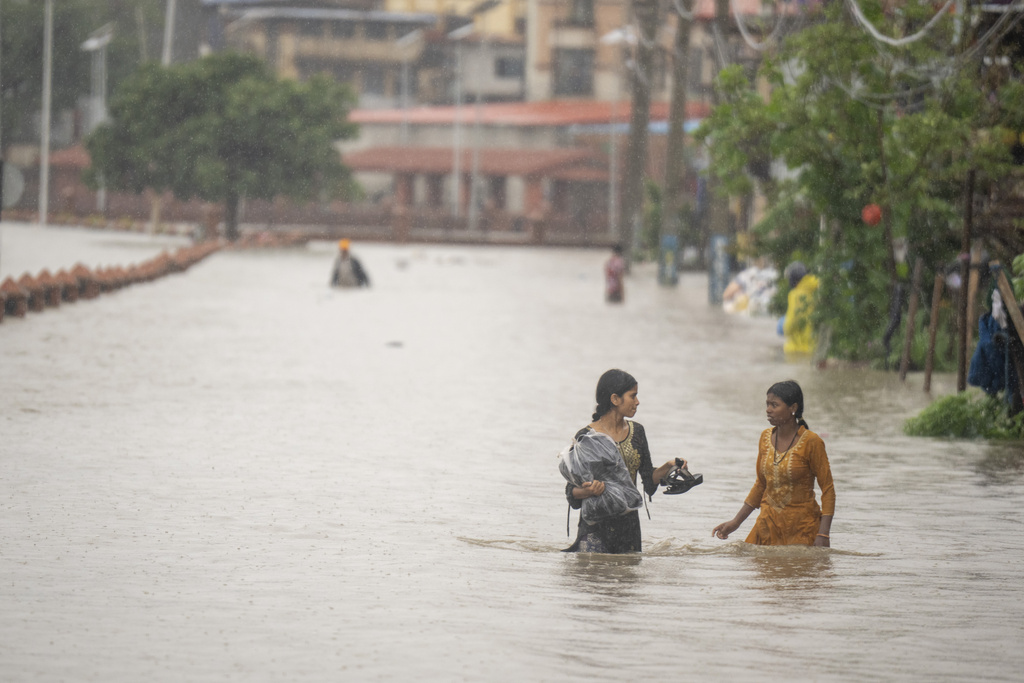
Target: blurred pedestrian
pixel 614 524
pixel 614 276
pixel 797 326
pixel 790 458
pixel 348 271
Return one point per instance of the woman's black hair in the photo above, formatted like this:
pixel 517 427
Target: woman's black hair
pixel 616 382
pixel 790 393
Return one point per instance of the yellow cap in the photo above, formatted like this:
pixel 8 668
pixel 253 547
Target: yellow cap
pixel 343 244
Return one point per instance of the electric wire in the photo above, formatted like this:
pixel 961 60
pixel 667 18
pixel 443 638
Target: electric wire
pixel 896 42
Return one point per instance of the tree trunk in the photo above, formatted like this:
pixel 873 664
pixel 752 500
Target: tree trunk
pixel 646 13
pixel 231 217
pixel 675 162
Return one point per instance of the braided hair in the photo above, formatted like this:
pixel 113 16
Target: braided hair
pixel 613 382
pixel 790 392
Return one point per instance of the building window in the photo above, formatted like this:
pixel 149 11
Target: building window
pixel 376 30
pixel 508 67
pixel 374 79
pixel 581 13
pixel 343 29
pixel 574 72
pixel 311 28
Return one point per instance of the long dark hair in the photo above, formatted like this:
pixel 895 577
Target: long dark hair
pixel 616 382
pixel 790 392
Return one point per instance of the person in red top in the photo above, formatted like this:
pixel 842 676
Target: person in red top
pixel 614 274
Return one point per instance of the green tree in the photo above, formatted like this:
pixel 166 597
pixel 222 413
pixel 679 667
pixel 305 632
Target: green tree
pixel 21 44
pixel 857 122
pixel 222 128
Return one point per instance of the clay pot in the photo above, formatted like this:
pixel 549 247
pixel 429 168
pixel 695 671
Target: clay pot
pixel 88 286
pixel 51 288
pixel 68 286
pixel 15 298
pixel 36 293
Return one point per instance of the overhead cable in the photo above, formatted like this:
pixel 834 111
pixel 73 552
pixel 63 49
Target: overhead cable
pixel 896 42
pixel 744 31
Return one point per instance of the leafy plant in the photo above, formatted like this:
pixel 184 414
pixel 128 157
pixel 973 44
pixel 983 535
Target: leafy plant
pixel 854 123
pixel 966 416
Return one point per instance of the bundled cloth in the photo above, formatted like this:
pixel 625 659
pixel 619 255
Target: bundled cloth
pixel 593 456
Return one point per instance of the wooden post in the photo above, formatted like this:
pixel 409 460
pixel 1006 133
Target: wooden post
pixel 911 315
pixel 961 318
pixel 1013 308
pixel 972 293
pixel 933 328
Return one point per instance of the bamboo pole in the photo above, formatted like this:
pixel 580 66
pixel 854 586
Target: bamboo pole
pixel 961 360
pixel 933 329
pixel 1013 308
pixel 908 341
pixel 973 280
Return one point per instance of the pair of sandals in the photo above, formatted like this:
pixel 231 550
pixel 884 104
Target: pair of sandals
pixel 679 480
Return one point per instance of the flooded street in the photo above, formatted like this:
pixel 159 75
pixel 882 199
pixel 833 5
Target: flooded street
pixel 239 474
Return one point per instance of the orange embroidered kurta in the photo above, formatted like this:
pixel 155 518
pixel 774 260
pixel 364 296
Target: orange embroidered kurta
pixel 785 491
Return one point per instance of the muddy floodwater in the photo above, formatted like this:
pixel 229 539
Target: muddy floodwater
pixel 238 474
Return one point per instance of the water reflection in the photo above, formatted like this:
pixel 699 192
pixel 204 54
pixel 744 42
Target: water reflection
pixel 1002 464
pixel 608 576
pixel 787 568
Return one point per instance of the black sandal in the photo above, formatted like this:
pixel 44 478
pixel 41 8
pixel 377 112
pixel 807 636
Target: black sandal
pixel 679 480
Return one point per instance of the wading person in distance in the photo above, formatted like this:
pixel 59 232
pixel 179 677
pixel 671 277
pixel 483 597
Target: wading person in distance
pixel 347 270
pixel 790 457
pixel 615 276
pixel 601 467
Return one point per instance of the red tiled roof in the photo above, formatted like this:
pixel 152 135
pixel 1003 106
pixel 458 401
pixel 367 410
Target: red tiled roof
pixel 550 113
pixel 705 9
pixel 561 163
pixel 72 157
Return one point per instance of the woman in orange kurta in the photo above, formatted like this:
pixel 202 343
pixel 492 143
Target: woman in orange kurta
pixel 784 489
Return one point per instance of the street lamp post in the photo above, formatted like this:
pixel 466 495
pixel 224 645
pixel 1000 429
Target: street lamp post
pixel 457 35
pixel 617 37
pixel 169 32
pixel 96 45
pixel 403 44
pixel 44 142
pixel 474 190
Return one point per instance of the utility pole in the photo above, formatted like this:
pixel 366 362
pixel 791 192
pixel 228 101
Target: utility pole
pixel 965 270
pixel 674 163
pixel 646 14
pixel 718 207
pixel 44 146
pixel 169 32
pixel 2 158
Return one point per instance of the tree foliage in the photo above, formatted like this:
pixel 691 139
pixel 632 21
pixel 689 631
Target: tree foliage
pixel 222 128
pixel 21 45
pixel 850 122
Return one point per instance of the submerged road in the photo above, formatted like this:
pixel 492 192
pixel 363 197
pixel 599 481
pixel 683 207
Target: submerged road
pixel 237 473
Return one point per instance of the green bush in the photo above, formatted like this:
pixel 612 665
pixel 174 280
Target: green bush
pixel 966 416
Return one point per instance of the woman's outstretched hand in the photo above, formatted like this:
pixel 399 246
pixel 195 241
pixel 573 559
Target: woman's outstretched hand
pixel 723 530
